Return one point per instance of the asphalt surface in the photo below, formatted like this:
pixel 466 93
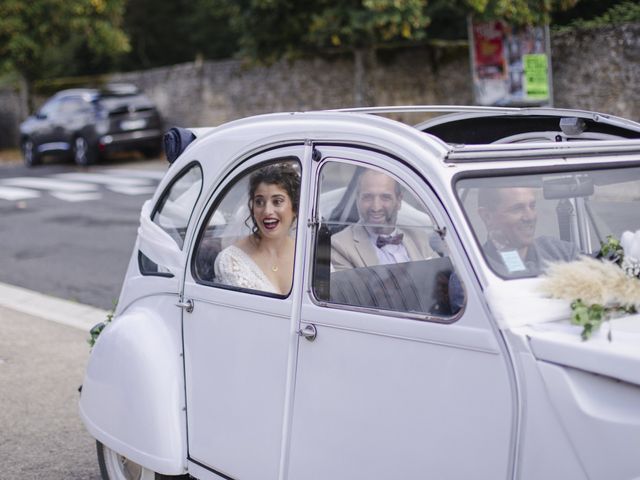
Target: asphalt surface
pixel 77 251
pixel 41 367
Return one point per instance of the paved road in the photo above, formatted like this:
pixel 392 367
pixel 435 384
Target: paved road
pixel 41 367
pixel 69 232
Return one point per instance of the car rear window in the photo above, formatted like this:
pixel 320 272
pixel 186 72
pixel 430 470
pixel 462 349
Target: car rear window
pixel 122 103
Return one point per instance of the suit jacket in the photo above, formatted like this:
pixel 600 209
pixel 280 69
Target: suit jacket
pixel 352 247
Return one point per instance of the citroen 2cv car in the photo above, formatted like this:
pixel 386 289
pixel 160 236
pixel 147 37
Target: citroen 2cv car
pixel 439 359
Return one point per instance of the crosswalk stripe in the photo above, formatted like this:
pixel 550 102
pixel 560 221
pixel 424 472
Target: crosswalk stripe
pixel 17 193
pixel 76 196
pixel 131 190
pixel 81 186
pixel 49 184
pixel 152 174
pixel 101 178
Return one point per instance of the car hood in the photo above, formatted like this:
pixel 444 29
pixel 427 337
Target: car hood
pixel 519 307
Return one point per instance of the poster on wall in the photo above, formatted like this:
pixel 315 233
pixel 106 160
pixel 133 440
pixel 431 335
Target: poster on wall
pixel 511 66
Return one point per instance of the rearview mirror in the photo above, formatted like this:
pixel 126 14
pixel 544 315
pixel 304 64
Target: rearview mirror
pixel 570 186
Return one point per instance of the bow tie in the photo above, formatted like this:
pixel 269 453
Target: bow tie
pixel 383 240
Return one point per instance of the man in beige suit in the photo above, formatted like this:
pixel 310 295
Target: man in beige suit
pixel 375 240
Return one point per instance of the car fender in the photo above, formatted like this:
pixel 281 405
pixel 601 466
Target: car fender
pixel 132 397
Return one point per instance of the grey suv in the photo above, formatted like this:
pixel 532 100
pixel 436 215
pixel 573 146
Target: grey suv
pixel 85 124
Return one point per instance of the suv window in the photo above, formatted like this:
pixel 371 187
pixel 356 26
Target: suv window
pixel 377 246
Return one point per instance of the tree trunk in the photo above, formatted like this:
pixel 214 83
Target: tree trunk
pixel 363 82
pixel 26 97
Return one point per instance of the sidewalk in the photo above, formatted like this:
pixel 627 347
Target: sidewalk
pixel 73 314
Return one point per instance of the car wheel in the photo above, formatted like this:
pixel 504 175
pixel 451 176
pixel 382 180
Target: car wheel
pixel 114 466
pixel 82 153
pixel 29 153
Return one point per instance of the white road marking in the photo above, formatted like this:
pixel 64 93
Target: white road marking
pixel 50 308
pixel 126 190
pixel 17 193
pixel 152 174
pixel 103 179
pixel 81 187
pixel 76 196
pixel 49 184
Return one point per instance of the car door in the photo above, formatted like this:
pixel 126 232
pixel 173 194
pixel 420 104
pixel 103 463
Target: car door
pixel 399 371
pixel 237 340
pixel 42 131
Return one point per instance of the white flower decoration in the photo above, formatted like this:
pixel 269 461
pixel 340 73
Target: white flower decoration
pixel 630 243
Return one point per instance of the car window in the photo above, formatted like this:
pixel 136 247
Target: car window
pixel 50 107
pixel 377 246
pixel 248 240
pixel 524 222
pixel 173 211
pixel 71 106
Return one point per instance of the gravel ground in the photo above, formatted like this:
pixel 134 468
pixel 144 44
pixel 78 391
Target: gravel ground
pixel 10 157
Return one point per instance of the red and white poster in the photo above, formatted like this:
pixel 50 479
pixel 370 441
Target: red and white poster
pixel 511 65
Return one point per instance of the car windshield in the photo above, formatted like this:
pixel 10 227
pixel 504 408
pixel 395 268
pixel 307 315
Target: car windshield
pixel 523 222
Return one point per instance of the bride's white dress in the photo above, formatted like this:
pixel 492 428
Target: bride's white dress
pixel 234 267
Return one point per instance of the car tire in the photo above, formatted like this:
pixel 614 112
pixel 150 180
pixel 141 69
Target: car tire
pixel 83 155
pixel 114 466
pixel 29 153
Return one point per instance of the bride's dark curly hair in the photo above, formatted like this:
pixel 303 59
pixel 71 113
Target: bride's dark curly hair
pixel 282 175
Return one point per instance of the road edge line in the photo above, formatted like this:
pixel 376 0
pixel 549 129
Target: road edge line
pixel 53 309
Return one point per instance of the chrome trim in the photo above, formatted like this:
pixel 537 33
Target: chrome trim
pixel 527 151
pixel 45 147
pixel 130 135
pixel 427 109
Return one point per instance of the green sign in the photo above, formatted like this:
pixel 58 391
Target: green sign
pixel 536 76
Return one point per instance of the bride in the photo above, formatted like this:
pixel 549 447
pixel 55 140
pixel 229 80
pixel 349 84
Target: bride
pixel 264 259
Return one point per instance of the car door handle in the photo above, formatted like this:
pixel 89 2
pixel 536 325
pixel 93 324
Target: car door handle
pixel 309 332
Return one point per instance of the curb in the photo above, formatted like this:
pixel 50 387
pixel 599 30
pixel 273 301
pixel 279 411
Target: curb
pixel 50 308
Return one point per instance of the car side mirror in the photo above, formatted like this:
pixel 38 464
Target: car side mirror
pixel 41 116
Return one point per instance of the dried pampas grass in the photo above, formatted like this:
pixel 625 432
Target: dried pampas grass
pixel 593 281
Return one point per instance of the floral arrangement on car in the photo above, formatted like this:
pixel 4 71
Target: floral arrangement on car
pixel 599 288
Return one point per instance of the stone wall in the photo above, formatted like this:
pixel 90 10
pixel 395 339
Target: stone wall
pixel 593 69
pixel 598 70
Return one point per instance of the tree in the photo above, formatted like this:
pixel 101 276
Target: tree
pixel 31 32
pixel 166 33
pixel 272 29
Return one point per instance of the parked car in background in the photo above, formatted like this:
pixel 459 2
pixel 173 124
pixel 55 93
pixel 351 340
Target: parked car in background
pixel 453 365
pixel 85 124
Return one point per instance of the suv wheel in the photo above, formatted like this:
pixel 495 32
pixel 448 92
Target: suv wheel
pixel 82 153
pixel 29 153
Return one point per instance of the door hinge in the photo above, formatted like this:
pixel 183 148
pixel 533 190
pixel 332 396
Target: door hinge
pixel 186 305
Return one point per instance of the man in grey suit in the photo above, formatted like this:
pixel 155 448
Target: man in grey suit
pixel 375 240
pixel 512 249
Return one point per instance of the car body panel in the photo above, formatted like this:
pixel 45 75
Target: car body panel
pixel 133 391
pixel 503 389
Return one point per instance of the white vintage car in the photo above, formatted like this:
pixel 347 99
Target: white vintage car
pixel 454 365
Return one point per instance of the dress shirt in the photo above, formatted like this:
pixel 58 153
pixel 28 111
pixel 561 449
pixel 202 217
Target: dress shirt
pixel 389 253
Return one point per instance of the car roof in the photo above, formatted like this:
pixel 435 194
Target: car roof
pixel 240 139
pixel 483 125
pixel 115 89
